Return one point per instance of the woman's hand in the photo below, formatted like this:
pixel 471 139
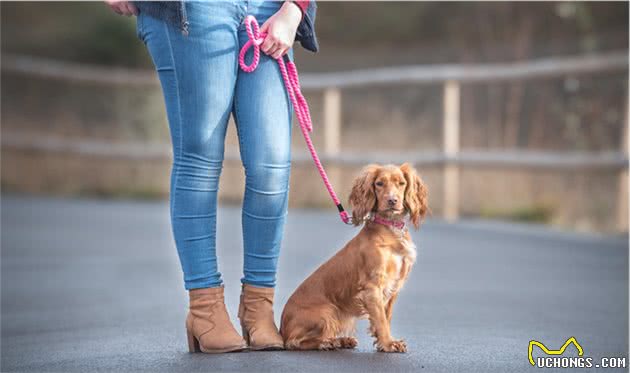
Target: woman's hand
pixel 281 28
pixel 122 7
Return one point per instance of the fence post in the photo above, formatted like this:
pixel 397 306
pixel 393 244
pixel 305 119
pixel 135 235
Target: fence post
pixel 332 130
pixel 332 121
pixel 622 193
pixel 450 133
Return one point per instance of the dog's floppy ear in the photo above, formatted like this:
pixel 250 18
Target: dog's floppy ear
pixel 416 195
pixel 362 198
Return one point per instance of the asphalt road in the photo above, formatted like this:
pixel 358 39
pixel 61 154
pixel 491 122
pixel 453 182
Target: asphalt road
pixel 95 286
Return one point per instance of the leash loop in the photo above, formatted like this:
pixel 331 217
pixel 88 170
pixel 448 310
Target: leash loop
pixel 300 106
pixel 255 40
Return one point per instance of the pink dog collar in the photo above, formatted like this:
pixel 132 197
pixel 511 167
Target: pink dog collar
pixel 400 224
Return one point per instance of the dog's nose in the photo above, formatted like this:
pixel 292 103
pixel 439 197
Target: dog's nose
pixel 392 201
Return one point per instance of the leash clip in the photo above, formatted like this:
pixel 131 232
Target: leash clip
pixel 345 218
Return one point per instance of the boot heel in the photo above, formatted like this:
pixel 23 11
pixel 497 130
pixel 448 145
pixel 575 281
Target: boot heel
pixel 193 343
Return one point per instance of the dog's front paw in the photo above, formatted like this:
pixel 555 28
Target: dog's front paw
pixel 392 346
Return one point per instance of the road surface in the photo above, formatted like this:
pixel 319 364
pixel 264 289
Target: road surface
pixel 91 285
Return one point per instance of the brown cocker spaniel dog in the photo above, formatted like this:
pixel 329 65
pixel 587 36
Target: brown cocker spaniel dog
pixel 363 279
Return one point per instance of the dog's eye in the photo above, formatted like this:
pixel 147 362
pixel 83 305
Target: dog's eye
pixel 401 183
pixel 379 183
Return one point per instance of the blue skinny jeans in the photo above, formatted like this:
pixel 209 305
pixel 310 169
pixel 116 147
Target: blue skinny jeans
pixel 202 86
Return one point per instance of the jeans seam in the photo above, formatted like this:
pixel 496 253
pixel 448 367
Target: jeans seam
pixel 176 155
pixel 237 125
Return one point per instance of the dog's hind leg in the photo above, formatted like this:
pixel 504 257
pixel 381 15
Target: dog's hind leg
pixel 308 344
pixel 347 342
pixel 315 343
pixel 319 335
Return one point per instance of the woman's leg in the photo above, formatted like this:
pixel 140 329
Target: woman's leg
pixel 198 74
pixel 263 119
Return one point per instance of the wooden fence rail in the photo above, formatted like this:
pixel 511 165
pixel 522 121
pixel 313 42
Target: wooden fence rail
pixel 451 158
pixel 139 151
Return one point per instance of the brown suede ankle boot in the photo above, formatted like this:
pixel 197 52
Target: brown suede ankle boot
pixel 208 325
pixel 256 315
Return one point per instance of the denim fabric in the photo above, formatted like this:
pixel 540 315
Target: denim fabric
pixel 173 13
pixel 203 86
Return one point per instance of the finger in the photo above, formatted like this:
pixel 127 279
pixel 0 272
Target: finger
pixel 124 6
pixel 271 51
pixel 278 53
pixel 133 9
pixel 116 9
pixel 275 53
pixel 268 45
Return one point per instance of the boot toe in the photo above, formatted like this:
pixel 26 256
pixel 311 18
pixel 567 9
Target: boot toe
pixel 268 341
pixel 224 346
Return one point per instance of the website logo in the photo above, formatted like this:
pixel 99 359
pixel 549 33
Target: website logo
pixel 560 351
pixel 556 360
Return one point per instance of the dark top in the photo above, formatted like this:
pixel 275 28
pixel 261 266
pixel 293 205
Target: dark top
pixel 174 13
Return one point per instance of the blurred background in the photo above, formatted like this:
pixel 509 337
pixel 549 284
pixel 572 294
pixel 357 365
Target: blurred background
pixel 514 111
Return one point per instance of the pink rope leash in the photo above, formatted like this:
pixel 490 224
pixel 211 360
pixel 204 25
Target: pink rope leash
pixel 292 84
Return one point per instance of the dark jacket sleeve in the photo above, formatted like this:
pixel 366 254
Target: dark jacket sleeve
pixel 306 30
pixel 303 4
